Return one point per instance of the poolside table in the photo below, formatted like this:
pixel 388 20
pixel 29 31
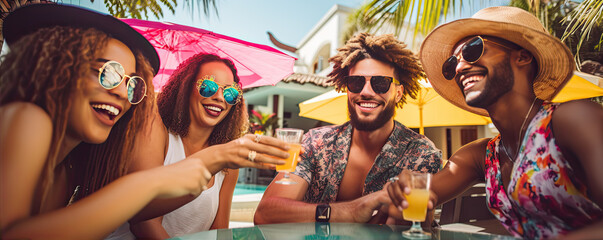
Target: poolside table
pixel 330 231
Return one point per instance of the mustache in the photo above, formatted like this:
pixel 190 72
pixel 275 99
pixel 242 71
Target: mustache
pixel 367 98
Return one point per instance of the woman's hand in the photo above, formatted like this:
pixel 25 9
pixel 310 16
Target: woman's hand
pixel 189 176
pixel 257 151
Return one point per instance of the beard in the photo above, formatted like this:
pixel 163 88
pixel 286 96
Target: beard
pixel 382 118
pixel 499 81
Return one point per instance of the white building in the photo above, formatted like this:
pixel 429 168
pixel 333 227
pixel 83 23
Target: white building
pixel 309 80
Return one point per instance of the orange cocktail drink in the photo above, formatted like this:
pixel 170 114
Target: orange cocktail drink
pixel 417 205
pixel 291 162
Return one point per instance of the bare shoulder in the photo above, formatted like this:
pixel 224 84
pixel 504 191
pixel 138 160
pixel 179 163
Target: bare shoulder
pixel 24 126
pixel 578 129
pixel 578 111
pixel 577 121
pixel 151 145
pixel 23 111
pixel 24 118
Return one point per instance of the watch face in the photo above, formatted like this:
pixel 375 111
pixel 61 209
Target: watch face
pixel 323 213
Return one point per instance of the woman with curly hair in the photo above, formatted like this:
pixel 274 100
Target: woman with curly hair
pixel 203 114
pixel 73 96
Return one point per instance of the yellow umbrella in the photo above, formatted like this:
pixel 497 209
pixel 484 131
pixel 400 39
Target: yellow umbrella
pixel 431 110
pixel 428 110
pixel 581 85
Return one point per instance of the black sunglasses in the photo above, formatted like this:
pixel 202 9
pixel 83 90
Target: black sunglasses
pixel 380 84
pixel 471 52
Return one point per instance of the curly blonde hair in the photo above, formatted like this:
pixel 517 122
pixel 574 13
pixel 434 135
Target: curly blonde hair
pixel 46 68
pixel 384 48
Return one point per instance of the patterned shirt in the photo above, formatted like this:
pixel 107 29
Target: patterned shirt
pixel 326 151
pixel 545 197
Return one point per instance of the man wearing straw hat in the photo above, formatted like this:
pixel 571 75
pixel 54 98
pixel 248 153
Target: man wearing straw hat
pixel 343 169
pixel 544 171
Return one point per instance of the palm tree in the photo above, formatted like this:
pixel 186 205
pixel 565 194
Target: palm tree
pixel 426 14
pixel 127 8
pixel 579 25
pixel 121 8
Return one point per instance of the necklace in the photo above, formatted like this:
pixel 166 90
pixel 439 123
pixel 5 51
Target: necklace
pixel 519 138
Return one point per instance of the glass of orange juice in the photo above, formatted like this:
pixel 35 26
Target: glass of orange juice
pixel 417 205
pixel 293 137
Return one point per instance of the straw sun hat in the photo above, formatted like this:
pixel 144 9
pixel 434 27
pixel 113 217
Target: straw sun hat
pixel 29 18
pixel 555 61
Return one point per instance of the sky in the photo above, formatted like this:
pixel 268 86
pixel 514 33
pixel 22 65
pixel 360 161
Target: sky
pixel 288 20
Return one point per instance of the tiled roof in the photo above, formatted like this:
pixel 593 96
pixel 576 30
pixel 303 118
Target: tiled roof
pixel 303 78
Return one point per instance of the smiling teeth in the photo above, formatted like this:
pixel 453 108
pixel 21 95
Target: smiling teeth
pixel 213 108
pixel 110 109
pixel 369 105
pixel 474 78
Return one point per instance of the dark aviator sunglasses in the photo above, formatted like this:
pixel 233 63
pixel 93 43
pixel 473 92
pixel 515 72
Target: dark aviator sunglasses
pixel 380 84
pixel 471 52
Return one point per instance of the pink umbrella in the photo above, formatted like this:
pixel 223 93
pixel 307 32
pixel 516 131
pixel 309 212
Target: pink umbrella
pixel 257 64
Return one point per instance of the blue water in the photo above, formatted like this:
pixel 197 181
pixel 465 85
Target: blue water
pixel 242 188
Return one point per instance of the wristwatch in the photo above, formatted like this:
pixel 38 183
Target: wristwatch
pixel 323 212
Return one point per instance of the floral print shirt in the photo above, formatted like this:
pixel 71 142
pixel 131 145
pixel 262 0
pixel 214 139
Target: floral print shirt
pixel 326 151
pixel 545 197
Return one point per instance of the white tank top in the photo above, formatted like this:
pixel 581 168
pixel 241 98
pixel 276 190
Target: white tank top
pixel 199 214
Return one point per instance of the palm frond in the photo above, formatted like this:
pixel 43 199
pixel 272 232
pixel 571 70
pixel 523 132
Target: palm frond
pixel 585 17
pixel 425 15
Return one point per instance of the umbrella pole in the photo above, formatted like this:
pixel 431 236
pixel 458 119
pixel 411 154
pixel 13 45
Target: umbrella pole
pixel 421 129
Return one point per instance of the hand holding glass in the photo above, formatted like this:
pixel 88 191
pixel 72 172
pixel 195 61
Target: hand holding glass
pixel 293 137
pixel 417 204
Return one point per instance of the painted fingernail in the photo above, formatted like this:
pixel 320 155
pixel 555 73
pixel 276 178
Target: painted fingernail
pixel 406 190
pixel 400 208
pixel 281 162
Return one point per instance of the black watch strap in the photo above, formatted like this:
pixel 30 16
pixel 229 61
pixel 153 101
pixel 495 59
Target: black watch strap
pixel 323 212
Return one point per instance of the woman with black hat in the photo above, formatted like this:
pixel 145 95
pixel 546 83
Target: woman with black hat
pixel 74 89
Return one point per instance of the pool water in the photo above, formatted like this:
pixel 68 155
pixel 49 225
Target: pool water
pixel 242 188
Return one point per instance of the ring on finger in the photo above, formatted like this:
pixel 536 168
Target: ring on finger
pixel 258 137
pixel 393 179
pixel 251 155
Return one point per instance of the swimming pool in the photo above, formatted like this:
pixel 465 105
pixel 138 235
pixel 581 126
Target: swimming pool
pixel 243 188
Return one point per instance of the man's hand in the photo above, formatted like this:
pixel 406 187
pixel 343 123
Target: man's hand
pixel 370 207
pixel 396 191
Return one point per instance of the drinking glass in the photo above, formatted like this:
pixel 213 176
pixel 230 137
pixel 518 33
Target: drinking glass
pixel 417 205
pixel 293 137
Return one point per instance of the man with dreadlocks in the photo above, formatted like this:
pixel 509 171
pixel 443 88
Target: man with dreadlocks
pixel 343 168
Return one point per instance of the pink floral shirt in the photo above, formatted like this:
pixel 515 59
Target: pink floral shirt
pixel 545 197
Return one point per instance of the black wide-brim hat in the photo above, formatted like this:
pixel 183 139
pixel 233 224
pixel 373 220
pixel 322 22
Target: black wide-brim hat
pixel 29 18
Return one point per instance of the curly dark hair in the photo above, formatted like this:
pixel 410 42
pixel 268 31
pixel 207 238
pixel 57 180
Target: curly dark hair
pixel 173 102
pixel 46 68
pixel 384 48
